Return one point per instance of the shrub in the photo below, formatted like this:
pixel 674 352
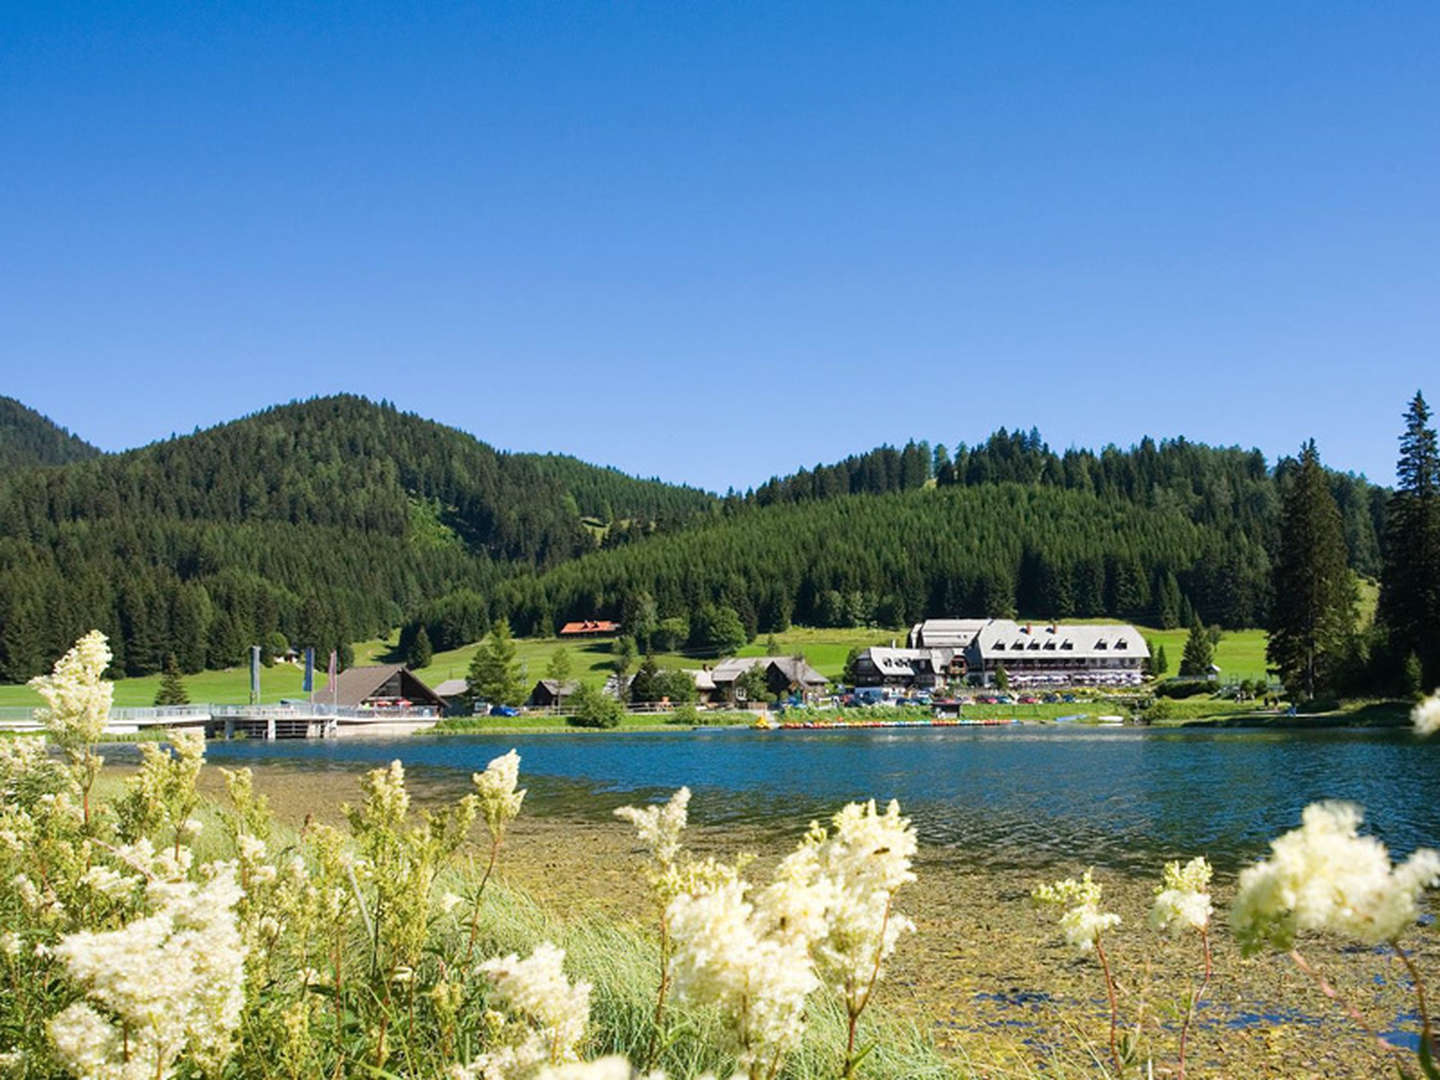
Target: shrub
pixel 1183 688
pixel 594 708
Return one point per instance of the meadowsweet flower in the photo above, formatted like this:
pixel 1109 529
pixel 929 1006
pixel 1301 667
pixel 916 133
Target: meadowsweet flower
pixel 861 865
pixel 659 827
pixel 1082 922
pixel 77 698
pixel 499 801
pixel 1183 898
pixel 538 989
pixel 758 981
pixel 1324 876
pixel 174 979
pixel 1426 715
pixel 448 903
pixel 11 943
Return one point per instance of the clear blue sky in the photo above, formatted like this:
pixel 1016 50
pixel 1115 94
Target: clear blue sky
pixel 716 240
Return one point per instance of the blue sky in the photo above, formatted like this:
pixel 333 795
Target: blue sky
pixel 715 241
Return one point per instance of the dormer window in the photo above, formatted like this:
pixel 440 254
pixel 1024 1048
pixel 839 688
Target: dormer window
pixel 1000 646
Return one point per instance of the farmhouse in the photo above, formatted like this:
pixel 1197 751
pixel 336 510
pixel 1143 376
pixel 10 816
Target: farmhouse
pixel 782 675
pixel 548 692
pixel 589 628
pixel 382 686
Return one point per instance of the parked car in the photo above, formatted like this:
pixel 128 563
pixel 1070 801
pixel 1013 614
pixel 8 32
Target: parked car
pixel 504 710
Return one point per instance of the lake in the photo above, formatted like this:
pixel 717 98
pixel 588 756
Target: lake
pixel 1024 796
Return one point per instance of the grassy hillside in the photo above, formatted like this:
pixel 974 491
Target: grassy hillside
pixel 1240 654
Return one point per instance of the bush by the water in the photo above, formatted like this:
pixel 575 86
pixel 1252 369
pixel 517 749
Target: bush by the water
pixel 594 708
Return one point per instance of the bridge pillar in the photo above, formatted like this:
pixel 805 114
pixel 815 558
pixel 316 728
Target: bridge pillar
pixel 229 727
pixel 270 728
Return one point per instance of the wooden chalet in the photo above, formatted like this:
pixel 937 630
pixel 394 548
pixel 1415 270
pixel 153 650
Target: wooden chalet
pixel 549 692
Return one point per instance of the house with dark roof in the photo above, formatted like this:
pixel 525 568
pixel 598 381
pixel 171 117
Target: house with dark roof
pixel 549 692
pixel 381 686
pixel 783 675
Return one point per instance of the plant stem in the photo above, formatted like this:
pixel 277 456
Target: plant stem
pixel 1195 999
pixel 664 985
pixel 1114 1008
pixel 475 913
pixel 854 1007
pixel 1414 971
pixel 1334 995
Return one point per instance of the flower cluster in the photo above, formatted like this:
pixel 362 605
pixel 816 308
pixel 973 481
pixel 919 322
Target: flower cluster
pixel 1083 921
pixel 826 917
pixel 1324 876
pixel 77 698
pixel 659 827
pixel 169 983
pixel 728 957
pixel 499 801
pixel 1182 900
pixel 554 1012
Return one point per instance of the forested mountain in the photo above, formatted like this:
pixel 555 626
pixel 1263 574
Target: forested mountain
pixel 326 520
pixel 1223 487
pixel 891 559
pixel 28 438
pixel 1155 534
pixel 598 492
pixel 334 519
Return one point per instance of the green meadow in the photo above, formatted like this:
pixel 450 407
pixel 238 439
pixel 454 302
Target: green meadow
pixel 1240 654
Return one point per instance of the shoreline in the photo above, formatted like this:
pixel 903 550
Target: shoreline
pixel 986 973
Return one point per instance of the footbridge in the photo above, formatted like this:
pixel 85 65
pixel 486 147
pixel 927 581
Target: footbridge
pixel 292 720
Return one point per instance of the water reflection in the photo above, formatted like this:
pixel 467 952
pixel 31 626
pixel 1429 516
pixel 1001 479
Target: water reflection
pixel 1120 798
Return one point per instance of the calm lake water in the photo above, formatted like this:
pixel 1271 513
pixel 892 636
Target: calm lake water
pixel 1023 796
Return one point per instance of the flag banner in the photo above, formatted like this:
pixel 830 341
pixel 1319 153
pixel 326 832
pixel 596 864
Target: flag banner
pixel 309 685
pixel 334 690
pixel 254 674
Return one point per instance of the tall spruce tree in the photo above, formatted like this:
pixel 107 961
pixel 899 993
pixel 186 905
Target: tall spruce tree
pixel 494 674
pixel 172 685
pixel 420 652
pixel 1199 651
pixel 1313 613
pixel 1410 579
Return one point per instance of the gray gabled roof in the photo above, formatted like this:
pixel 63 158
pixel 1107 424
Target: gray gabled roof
pixel 1004 637
pixel 945 633
pixel 793 668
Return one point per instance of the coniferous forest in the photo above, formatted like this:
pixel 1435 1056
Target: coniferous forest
pixel 335 519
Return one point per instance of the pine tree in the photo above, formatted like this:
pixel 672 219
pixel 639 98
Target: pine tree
pixel 1161 663
pixel 1199 652
pixel 1410 578
pixel 494 674
pixel 420 653
pixel 1002 678
pixel 1313 613
pixel 172 685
